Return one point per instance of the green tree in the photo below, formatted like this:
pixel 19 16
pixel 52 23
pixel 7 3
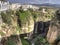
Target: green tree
pixel 6 17
pixel 58 14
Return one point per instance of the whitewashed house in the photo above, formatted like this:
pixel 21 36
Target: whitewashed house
pixel 27 6
pixel 35 7
pixel 4 6
pixel 15 6
pixel 44 10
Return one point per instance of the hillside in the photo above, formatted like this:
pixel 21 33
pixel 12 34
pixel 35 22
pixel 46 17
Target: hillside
pixel 13 24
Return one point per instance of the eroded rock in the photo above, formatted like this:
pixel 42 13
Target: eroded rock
pixel 53 33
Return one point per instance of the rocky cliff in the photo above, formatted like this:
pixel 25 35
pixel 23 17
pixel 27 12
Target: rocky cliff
pixel 22 22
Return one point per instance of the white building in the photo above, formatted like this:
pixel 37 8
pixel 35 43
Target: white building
pixel 35 7
pixel 4 6
pixel 15 6
pixel 44 10
pixel 27 6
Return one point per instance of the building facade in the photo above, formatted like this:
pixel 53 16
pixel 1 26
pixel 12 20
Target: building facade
pixel 4 6
pixel 27 6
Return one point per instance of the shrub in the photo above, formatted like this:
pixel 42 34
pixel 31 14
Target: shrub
pixel 10 42
pixel 6 18
pixel 25 42
pixel 41 41
pixel 23 16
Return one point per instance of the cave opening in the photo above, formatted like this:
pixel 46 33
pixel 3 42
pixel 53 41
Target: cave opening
pixel 41 27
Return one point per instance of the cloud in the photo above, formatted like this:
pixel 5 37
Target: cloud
pixel 36 1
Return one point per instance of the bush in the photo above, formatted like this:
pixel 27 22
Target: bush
pixel 6 18
pixel 10 42
pixel 41 41
pixel 24 42
pixel 58 14
pixel 1 33
pixel 23 16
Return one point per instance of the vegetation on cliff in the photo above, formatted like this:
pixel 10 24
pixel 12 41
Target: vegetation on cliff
pixel 21 22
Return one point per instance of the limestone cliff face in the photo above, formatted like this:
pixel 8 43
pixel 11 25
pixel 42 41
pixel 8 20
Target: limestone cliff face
pixel 12 28
pixel 53 34
pixel 44 17
pixel 7 30
pixel 9 24
pixel 28 26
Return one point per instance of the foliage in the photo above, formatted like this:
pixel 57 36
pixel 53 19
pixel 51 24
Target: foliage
pixel 1 33
pixel 30 9
pixel 24 42
pixel 34 14
pixel 10 42
pixel 18 30
pixel 56 20
pixel 41 41
pixel 23 16
pixel 58 14
pixel 6 18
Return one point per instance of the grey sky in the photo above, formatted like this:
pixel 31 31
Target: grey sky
pixel 37 1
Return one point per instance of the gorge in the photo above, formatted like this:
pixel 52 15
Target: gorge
pixel 31 25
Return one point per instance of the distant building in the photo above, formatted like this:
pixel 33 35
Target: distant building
pixel 44 10
pixel 4 6
pixel 35 7
pixel 27 6
pixel 15 6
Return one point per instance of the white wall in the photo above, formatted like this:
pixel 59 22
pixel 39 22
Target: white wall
pixel 15 6
pixel 4 6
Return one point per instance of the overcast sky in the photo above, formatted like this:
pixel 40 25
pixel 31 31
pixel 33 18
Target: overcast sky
pixel 37 1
